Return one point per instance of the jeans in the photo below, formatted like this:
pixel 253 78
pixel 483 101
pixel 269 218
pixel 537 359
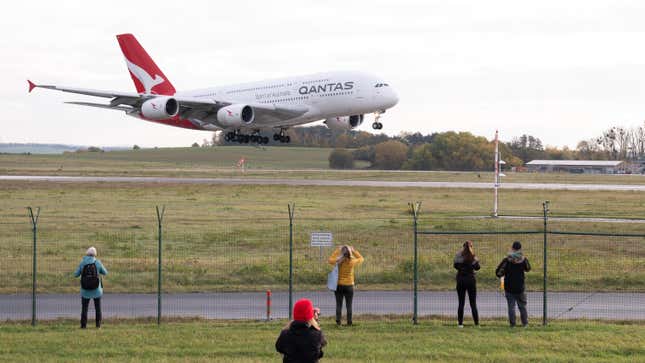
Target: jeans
pixel 347 292
pixel 97 307
pixel 469 285
pixel 520 300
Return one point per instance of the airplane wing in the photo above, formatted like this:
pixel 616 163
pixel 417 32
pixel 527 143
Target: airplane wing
pixel 191 108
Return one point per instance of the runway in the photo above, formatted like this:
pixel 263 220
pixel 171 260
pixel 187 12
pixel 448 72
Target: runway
pixel 252 305
pixel 320 182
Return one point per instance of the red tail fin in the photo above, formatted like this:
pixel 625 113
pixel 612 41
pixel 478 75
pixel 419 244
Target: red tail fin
pixel 147 77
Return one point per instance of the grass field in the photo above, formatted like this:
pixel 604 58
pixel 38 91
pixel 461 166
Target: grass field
pixel 268 162
pixel 227 237
pixel 382 340
pixel 230 238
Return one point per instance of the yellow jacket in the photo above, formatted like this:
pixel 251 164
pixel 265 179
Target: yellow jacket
pixel 346 269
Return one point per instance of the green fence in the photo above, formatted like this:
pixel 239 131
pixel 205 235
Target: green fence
pixel 166 265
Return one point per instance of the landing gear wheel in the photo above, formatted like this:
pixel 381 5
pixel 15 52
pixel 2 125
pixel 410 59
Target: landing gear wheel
pixel 265 140
pixel 276 137
pixel 377 125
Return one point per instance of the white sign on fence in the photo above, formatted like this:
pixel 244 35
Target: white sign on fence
pixel 322 239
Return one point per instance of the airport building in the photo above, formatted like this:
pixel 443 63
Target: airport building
pixel 577 166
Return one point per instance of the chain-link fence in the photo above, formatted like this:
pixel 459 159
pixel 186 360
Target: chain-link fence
pixel 255 269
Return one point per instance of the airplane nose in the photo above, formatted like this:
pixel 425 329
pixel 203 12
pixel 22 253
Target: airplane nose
pixel 394 98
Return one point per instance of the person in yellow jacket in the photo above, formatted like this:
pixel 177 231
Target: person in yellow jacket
pixel 347 257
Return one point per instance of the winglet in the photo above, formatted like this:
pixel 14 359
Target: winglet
pixel 32 85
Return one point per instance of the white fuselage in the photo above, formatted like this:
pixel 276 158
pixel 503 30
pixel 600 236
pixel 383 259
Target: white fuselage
pixel 325 95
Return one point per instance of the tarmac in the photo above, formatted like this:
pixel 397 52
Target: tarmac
pixel 314 182
pixel 253 305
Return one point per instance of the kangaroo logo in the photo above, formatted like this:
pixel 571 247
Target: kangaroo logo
pixel 146 80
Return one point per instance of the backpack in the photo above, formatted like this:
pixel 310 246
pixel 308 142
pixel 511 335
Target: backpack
pixel 90 277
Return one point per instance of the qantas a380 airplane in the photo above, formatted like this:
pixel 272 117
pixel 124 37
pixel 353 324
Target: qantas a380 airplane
pixel 243 110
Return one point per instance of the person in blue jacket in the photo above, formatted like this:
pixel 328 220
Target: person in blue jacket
pixel 91 285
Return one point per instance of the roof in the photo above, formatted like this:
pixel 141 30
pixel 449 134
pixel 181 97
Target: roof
pixel 581 163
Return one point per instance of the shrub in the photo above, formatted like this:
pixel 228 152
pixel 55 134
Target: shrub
pixel 341 159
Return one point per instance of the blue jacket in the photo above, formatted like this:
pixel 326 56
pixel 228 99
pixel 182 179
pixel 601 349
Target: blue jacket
pixel 96 293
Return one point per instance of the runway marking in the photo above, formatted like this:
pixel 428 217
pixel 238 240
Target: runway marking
pixel 314 182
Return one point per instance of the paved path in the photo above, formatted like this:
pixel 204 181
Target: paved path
pixel 304 182
pixel 250 305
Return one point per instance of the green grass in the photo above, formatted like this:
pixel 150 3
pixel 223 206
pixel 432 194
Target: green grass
pixel 383 340
pixel 231 238
pixel 267 162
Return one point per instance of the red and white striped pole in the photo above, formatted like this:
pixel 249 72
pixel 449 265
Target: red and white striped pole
pixel 496 185
pixel 268 305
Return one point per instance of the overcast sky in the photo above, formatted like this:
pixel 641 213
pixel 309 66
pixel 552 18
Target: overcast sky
pixel 563 71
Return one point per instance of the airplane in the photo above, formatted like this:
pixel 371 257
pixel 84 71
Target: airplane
pixel 242 111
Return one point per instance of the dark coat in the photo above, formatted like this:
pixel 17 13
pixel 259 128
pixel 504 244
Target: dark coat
pixel 465 270
pixel 300 343
pixel 513 272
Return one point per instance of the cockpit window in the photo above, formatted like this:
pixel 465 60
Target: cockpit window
pixel 378 85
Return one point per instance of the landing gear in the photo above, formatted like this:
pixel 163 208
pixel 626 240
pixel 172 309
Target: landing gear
pixel 236 136
pixel 377 125
pixel 285 139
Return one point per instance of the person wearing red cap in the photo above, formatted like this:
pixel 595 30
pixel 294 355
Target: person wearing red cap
pixel 301 340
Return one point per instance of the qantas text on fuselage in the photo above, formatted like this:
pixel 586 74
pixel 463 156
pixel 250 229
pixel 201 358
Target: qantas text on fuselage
pixel 244 110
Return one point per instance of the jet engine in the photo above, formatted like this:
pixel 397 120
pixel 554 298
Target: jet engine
pixel 160 108
pixel 344 122
pixel 235 115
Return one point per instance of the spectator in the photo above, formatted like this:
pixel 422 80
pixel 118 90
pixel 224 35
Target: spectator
pixel 346 257
pixel 91 285
pixel 466 263
pixel 301 340
pixel 512 268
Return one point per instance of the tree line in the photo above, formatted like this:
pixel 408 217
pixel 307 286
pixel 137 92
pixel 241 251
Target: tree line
pixel 457 150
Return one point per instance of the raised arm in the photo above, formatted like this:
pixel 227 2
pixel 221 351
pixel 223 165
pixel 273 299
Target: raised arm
pixel 334 256
pixel 358 258
pixel 476 266
pixel 101 269
pixel 500 270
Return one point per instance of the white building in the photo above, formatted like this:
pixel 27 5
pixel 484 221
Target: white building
pixel 576 166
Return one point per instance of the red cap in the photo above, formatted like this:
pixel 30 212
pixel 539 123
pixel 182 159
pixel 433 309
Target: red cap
pixel 303 310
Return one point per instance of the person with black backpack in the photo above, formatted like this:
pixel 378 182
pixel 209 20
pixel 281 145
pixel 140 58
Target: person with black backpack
pixel 91 286
pixel 512 269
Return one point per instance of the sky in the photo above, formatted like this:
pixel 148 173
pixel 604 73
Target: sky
pixel 563 71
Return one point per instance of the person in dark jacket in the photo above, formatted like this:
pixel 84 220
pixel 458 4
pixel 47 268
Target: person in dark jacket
pixel 96 293
pixel 466 263
pixel 512 269
pixel 301 340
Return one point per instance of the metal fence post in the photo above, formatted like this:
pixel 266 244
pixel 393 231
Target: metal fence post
pixel 34 229
pixel 291 208
pixel 160 214
pixel 545 209
pixel 414 210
